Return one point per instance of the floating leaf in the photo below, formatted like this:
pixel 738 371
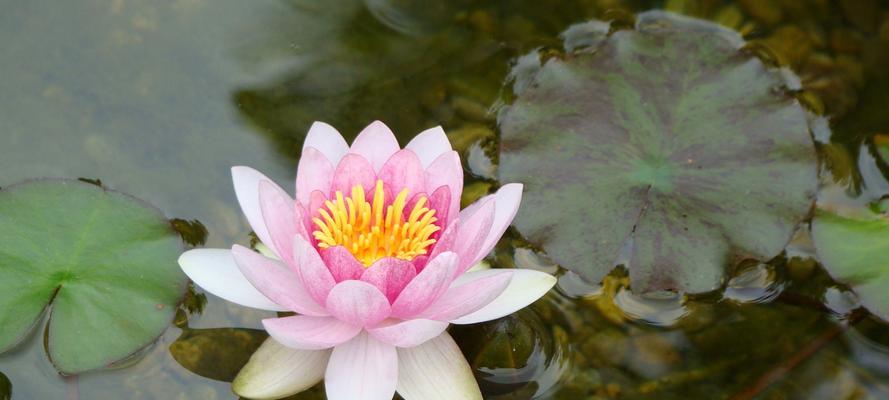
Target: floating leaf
pixel 667 141
pixel 104 260
pixel 854 248
pixel 216 353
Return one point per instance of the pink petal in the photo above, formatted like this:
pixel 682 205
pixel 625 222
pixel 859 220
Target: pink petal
pixel 390 275
pixel 440 201
pixel 408 333
pixel 469 296
pixel 327 140
pixel 280 220
pixel 358 303
pixel 403 170
pixel 311 270
pixel 316 201
pixel 352 170
pixel 246 181
pixel 315 172
pixel 310 333
pixel 303 221
pixel 475 223
pixel 362 369
pixel 342 264
pixel 444 243
pixel 375 143
pixel 275 281
pixel 507 203
pixel 428 286
pixel 430 144
pixel 446 170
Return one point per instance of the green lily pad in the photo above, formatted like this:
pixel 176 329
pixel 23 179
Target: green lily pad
pixel 105 261
pixel 854 248
pixel 666 148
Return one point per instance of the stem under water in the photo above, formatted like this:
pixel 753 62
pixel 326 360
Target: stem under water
pixel 779 371
pixel 72 391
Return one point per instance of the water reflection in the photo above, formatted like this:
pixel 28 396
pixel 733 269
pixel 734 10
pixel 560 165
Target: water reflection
pixel 657 308
pixel 754 284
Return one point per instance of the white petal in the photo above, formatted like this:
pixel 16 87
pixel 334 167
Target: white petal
pixel 429 144
pixel 436 370
pixel 246 181
pixel 506 204
pixel 362 369
pixel 275 371
pixel 525 288
pixel 327 140
pixel 215 271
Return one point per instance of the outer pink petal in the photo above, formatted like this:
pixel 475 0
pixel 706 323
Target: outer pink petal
pixel 246 181
pixel 352 170
pixel 446 170
pixel 430 144
pixel 275 281
pixel 408 333
pixel 358 303
pixel 390 275
pixel 507 200
pixel 469 296
pixel 362 369
pixel 327 140
pixel 342 264
pixel 375 143
pixel 280 220
pixel 310 333
pixel 473 229
pixel 311 270
pixel 315 172
pixel 428 286
pixel 403 170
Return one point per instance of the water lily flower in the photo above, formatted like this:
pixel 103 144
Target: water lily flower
pixel 374 256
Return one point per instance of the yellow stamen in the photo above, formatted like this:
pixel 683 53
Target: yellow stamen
pixel 371 231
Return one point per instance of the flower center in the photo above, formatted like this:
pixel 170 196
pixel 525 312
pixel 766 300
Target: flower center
pixel 371 231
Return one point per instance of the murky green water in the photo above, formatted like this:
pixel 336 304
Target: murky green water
pixel 159 99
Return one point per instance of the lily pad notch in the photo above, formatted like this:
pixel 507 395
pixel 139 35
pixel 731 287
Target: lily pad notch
pixel 102 262
pixel 667 148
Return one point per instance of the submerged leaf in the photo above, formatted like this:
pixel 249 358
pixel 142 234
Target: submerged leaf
pixel 854 248
pixel 5 387
pixel 666 141
pixel 105 261
pixel 216 353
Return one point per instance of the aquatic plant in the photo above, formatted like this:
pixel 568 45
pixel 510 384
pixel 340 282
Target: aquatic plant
pixel 667 148
pixel 376 258
pixel 104 261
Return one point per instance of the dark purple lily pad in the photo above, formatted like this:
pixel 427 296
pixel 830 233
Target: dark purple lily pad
pixel 667 148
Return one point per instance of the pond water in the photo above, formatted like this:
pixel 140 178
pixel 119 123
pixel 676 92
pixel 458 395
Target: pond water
pixel 160 99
